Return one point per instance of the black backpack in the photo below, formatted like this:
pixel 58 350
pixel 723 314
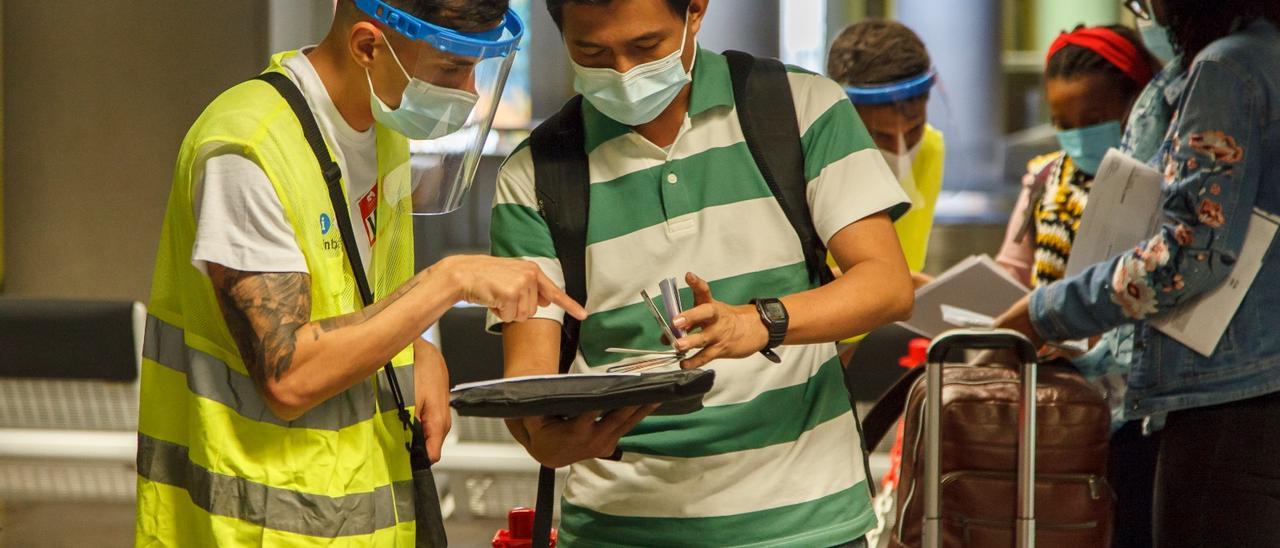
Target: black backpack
pixel 766 112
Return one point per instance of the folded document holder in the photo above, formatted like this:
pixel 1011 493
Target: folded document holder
pixel 678 392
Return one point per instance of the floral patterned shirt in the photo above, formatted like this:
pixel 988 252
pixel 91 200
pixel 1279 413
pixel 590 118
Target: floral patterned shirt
pixel 1208 198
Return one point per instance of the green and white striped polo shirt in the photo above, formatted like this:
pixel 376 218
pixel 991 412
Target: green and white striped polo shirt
pixel 774 458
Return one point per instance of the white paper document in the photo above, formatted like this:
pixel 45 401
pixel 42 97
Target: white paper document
pixel 974 290
pixel 1124 210
pixel 960 317
pixel 1201 323
pixel 511 380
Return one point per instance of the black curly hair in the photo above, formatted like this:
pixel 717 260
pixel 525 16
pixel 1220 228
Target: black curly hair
pixel 556 7
pixel 460 14
pixel 1194 24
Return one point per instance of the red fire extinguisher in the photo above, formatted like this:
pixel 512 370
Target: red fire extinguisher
pixel 519 531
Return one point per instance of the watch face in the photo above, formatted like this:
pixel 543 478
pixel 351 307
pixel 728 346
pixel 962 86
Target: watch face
pixel 775 311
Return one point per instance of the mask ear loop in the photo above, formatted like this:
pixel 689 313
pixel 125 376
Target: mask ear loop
pixel 395 58
pixel 369 76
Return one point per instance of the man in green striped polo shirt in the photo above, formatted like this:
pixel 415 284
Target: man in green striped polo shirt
pixel 774 458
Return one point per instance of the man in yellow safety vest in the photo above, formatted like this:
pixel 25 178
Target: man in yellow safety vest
pixel 264 420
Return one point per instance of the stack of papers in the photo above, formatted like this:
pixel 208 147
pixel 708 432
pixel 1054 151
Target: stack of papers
pixel 1200 324
pixel 970 294
pixel 1123 210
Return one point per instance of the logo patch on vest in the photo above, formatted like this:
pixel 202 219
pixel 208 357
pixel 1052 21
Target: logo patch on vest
pixel 325 224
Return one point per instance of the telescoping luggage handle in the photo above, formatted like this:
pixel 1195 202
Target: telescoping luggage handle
pixel 980 339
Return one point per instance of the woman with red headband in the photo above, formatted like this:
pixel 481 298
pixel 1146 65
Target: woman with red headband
pixel 1093 76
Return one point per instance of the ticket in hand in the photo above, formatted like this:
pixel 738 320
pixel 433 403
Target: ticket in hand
pixel 657 358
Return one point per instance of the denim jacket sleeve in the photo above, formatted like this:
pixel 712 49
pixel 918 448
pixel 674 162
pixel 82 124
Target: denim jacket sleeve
pixel 1211 182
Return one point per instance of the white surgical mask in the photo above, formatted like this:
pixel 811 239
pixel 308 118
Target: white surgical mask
pixel 426 111
pixel 901 166
pixel 639 95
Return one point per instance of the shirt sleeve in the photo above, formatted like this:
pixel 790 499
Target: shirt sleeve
pixel 1212 166
pixel 517 230
pixel 1017 256
pixel 240 222
pixel 847 176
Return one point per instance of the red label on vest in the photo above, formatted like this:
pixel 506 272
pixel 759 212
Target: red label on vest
pixel 369 213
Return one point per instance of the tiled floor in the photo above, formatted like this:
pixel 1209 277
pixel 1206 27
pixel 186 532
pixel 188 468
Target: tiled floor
pixel 110 525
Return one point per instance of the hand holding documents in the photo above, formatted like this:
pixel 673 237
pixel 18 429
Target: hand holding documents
pixel 657 358
pixel 1123 210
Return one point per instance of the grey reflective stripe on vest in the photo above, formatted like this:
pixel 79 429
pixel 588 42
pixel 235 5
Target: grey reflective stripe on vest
pixel 211 378
pixel 273 507
pixel 404 375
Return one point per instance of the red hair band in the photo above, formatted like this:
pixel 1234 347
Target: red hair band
pixel 1110 46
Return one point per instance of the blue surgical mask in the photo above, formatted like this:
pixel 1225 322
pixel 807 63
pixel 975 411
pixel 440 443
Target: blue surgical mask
pixel 426 111
pixel 639 95
pixel 1156 37
pixel 1087 145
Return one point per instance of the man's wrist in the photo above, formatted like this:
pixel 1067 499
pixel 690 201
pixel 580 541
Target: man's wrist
pixel 444 280
pixel 757 332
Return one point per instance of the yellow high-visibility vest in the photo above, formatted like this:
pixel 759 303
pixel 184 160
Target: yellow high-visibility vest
pixel 914 226
pixel 215 466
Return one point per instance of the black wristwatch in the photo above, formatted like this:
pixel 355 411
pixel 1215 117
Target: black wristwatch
pixel 775 318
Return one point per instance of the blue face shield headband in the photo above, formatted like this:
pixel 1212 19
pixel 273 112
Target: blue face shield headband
pixel 498 42
pixel 893 92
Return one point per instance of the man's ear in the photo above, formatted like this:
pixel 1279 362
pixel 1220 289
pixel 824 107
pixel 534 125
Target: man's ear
pixel 697 9
pixel 361 42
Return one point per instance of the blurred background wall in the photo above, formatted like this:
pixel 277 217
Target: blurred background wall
pixel 96 95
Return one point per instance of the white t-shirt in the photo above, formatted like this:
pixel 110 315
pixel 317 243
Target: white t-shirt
pixel 240 222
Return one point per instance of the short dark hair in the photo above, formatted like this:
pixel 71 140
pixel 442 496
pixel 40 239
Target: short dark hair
pixel 556 8
pixel 459 14
pixel 1074 61
pixel 1193 24
pixel 876 51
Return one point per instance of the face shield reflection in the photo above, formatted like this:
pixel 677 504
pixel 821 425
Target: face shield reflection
pixel 904 121
pixel 452 82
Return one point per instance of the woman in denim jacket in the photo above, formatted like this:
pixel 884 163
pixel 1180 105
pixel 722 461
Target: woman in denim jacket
pixel 1218 477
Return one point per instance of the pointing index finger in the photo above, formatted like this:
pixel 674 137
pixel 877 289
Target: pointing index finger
pixel 548 290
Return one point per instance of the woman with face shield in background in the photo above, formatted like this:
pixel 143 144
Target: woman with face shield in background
pixel 887 74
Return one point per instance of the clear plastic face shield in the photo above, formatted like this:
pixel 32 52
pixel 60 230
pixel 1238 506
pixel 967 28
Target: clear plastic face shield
pixel 898 117
pixel 441 91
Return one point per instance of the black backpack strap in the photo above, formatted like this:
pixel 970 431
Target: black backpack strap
pixel 562 184
pixel 884 414
pixel 767 114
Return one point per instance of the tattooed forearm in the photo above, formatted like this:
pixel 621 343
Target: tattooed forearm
pixel 264 311
pixel 358 317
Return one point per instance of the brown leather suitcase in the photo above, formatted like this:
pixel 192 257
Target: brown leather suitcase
pixel 980 434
